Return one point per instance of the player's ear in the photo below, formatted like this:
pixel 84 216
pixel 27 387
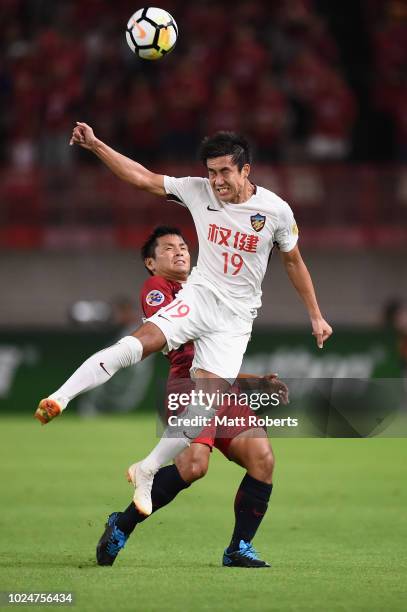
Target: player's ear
pixel 149 263
pixel 246 170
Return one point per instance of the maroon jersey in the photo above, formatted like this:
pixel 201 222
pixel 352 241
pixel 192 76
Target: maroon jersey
pixel 156 293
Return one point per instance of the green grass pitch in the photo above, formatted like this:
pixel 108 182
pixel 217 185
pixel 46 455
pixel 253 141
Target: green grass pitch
pixel 335 532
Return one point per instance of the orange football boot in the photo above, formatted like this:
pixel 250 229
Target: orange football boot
pixel 47 410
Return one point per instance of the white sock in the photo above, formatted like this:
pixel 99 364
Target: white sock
pixel 99 368
pixel 174 440
pixel 166 450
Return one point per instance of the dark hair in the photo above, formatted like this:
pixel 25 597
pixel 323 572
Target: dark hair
pixel 226 143
pixel 148 248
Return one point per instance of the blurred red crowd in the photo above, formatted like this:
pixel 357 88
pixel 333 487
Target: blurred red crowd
pixel 273 71
pixel 388 37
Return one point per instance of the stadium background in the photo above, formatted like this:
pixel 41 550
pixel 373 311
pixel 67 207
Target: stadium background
pixel 319 88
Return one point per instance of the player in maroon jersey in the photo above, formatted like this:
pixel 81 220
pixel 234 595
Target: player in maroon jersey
pixel 167 259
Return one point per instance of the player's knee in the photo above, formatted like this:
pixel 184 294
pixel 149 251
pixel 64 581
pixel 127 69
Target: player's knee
pixel 192 468
pixel 151 338
pixel 263 466
pixel 197 469
pixel 267 465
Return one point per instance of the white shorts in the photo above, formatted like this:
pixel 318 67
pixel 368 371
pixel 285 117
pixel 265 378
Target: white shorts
pixel 220 336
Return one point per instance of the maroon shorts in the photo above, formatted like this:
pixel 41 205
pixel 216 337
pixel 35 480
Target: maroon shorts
pixel 237 419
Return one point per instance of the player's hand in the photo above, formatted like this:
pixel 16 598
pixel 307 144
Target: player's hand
pixel 276 385
pixel 321 330
pixel 83 135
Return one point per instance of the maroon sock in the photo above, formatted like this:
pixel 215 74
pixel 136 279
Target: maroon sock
pixel 250 507
pixel 166 486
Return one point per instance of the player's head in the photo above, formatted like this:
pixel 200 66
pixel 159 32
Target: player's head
pixel 165 253
pixel 227 157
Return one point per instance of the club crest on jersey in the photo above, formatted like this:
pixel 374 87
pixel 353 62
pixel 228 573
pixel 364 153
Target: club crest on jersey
pixel 154 298
pixel 258 222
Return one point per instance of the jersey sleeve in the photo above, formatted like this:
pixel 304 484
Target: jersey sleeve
pixel 185 191
pixel 286 234
pixel 155 293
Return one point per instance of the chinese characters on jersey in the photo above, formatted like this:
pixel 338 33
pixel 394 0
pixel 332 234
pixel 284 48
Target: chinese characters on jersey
pixel 237 240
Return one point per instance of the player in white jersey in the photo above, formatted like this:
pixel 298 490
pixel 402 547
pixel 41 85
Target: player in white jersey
pixel 237 225
pixel 235 240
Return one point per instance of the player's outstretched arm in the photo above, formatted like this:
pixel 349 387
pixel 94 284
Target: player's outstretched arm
pixel 301 279
pixel 124 167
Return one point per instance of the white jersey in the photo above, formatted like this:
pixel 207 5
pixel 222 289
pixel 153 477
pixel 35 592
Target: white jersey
pixel 235 240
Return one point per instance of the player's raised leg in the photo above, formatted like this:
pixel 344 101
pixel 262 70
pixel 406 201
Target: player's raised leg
pixel 251 450
pixel 100 367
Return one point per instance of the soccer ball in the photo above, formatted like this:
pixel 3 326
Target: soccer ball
pixel 151 33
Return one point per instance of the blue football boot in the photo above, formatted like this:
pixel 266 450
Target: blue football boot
pixel 245 556
pixel 111 542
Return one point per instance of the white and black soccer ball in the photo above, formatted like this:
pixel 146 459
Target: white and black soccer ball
pixel 151 33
